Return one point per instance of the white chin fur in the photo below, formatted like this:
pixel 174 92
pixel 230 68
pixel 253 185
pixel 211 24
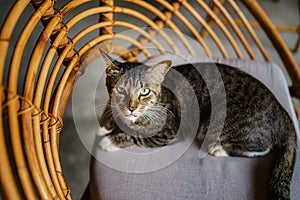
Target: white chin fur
pixel 131 117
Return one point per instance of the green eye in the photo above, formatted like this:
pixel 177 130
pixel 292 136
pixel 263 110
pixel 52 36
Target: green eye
pixel 120 89
pixel 144 92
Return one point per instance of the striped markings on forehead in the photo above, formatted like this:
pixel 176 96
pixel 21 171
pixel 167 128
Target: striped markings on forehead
pixel 134 78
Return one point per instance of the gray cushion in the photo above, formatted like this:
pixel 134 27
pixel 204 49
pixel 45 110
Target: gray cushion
pixel 133 174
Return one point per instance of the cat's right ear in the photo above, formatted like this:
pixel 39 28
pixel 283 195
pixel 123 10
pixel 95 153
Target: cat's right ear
pixel 158 71
pixel 112 66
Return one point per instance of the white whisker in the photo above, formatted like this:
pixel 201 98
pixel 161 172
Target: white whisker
pixel 162 108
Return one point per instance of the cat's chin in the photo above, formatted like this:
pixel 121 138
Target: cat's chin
pixel 131 117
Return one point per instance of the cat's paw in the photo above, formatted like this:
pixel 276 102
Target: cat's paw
pixel 217 150
pixel 106 145
pixel 102 131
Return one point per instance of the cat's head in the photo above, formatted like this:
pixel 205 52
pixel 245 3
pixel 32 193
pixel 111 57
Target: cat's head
pixel 134 88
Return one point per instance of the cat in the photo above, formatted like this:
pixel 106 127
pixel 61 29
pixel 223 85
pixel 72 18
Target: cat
pixel 142 111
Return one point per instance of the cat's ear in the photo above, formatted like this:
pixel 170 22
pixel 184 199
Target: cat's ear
pixel 159 70
pixel 112 66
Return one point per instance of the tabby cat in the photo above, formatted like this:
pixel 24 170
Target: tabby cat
pixel 142 111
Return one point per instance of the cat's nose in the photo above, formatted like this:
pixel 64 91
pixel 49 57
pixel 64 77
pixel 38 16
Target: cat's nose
pixel 132 107
pixel 132 104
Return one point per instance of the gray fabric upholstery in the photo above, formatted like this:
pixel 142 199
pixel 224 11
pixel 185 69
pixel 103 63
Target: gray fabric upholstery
pixel 191 177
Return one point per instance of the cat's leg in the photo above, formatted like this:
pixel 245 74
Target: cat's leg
pixel 245 141
pixel 243 149
pixel 247 151
pixel 248 143
pixel 164 137
pixel 256 153
pixel 107 145
pixel 102 131
pixel 115 142
pixel 218 150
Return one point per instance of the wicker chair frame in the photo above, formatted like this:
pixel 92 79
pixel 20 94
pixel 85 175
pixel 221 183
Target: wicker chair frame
pixel 32 109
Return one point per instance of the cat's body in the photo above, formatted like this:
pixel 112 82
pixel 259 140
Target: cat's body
pixel 148 114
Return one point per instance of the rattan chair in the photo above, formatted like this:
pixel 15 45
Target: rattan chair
pixel 34 95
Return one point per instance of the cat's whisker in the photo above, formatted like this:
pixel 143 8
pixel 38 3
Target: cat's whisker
pixel 149 118
pixel 158 107
pixel 154 116
pixel 107 114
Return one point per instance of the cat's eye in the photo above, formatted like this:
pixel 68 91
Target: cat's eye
pixel 144 92
pixel 120 89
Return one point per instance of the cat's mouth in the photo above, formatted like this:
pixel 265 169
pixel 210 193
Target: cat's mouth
pixel 131 117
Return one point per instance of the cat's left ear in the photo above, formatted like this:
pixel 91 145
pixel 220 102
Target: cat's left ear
pixel 110 64
pixel 159 70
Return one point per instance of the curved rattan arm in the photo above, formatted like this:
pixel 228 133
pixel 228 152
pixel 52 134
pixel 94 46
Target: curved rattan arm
pixel 280 45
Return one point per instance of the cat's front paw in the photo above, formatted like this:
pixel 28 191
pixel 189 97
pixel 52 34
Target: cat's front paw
pixel 107 145
pixel 217 150
pixel 102 131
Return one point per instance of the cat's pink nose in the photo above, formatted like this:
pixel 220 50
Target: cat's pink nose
pixel 132 104
pixel 132 107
